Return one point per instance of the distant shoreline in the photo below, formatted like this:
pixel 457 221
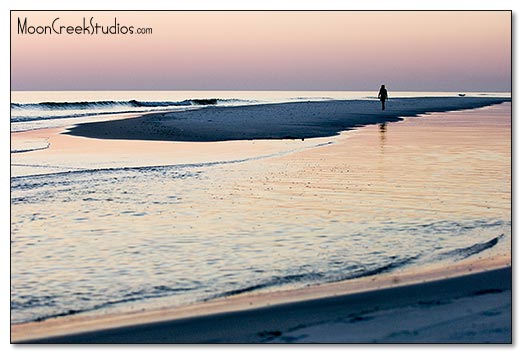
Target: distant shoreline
pixel 299 120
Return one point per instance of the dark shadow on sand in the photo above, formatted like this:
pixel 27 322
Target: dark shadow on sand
pixel 299 120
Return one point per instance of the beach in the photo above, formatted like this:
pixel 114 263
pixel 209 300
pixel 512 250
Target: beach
pixel 323 227
pixel 261 177
pixel 302 120
pixel 470 308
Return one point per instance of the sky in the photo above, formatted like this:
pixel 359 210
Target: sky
pixel 265 50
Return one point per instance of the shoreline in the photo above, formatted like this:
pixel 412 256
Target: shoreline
pixel 97 325
pixel 434 285
pixel 303 120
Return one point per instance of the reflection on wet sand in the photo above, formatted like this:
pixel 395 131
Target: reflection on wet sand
pixel 378 199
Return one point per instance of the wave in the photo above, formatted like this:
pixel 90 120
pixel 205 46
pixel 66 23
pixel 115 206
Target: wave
pixel 32 302
pixel 86 303
pixel 360 271
pixel 351 272
pixel 18 151
pixel 26 112
pixel 30 145
pixel 462 253
pixel 34 181
pixel 131 103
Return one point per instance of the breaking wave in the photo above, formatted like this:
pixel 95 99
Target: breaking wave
pixel 26 112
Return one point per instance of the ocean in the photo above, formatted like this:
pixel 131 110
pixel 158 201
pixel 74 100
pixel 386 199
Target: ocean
pixel 45 109
pixel 102 238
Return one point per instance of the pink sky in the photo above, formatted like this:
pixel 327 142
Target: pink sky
pixel 425 51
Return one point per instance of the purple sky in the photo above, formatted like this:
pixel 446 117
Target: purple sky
pixel 339 50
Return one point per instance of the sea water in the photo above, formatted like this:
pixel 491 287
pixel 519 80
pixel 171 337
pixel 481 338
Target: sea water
pixel 44 109
pixel 381 198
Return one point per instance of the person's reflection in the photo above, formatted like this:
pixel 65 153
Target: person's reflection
pixel 382 157
pixel 382 134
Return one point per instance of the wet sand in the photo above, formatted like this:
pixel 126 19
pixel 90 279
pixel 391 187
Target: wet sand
pixel 61 152
pixel 318 313
pixel 302 120
pixel 474 298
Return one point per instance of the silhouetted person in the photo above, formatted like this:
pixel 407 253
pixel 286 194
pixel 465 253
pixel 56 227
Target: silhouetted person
pixel 383 95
